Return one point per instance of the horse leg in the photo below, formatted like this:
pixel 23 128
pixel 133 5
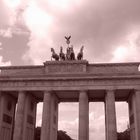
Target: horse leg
pixel 57 57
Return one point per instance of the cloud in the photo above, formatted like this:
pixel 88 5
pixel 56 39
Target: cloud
pixel 122 116
pixel 6 33
pixel 13 32
pixel 39 114
pixel 108 29
pixel 101 25
pixel 68 118
pixel 14 47
pixel 7 15
pixel 2 63
pixel 71 127
pixel 129 50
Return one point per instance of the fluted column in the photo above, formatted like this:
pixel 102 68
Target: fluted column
pixel 0 110
pixel 83 116
pixel 1 114
pixel 7 112
pixel 110 116
pixel 49 117
pixel 19 121
pixel 136 100
pixel 46 116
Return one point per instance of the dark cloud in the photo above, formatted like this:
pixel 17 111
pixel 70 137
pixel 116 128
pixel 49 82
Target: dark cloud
pixel 14 47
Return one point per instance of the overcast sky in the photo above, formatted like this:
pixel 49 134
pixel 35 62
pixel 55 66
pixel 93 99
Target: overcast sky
pixel 109 30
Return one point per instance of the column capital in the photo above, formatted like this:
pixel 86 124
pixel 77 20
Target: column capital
pixel 47 91
pixel 21 91
pixel 110 90
pixel 83 94
pixel 136 89
pixel 83 90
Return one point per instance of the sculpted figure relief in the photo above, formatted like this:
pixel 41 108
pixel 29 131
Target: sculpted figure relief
pixel 67 39
pixel 70 55
pixel 61 54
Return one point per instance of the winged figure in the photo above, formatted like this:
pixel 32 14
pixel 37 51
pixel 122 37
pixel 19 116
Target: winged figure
pixel 68 39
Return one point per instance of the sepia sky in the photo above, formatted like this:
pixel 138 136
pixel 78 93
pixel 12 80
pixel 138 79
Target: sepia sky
pixel 109 30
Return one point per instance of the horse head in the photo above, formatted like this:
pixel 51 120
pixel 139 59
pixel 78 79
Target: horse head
pixel 52 50
pixel 82 48
pixel 61 49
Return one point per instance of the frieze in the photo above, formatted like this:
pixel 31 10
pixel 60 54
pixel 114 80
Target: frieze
pixel 69 83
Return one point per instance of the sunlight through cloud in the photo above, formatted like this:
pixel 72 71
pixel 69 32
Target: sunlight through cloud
pixel 64 4
pixel 37 20
pixel 12 3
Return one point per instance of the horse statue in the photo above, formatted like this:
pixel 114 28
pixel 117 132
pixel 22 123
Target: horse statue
pixel 80 54
pixel 72 55
pixel 61 54
pixel 54 55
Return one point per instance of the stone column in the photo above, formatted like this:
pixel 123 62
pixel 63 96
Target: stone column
pixel 110 116
pixel 19 121
pixel 131 102
pixel 7 111
pixel 46 116
pixel 29 117
pixel 54 118
pixel 0 110
pixel 136 101
pixel 25 117
pixel 49 117
pixel 83 116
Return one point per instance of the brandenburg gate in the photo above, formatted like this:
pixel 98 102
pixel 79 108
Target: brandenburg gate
pixel 22 87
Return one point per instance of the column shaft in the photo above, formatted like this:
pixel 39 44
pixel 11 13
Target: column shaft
pixel 137 114
pixel 19 121
pixel 110 115
pixel 83 116
pixel 0 111
pixel 46 117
